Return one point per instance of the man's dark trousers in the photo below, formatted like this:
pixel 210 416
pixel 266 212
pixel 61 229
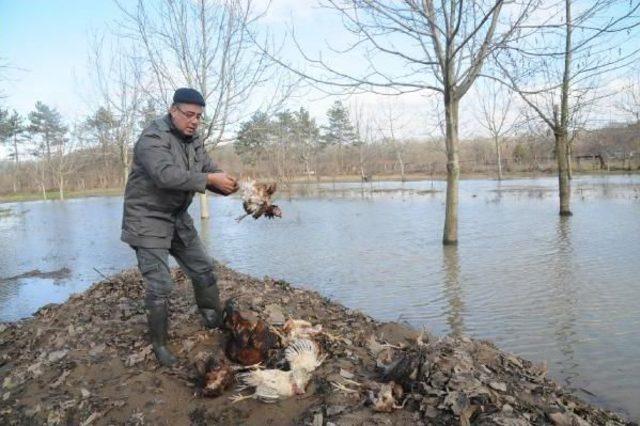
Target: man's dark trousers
pixel 193 259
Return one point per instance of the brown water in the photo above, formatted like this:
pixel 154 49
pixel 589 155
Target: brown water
pixel 560 290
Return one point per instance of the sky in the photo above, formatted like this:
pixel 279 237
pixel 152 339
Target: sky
pixel 47 42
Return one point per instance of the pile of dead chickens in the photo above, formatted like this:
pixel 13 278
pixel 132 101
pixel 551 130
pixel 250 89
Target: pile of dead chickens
pixel 274 363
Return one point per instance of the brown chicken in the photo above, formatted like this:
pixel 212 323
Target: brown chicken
pixel 214 377
pixel 250 340
pixel 256 200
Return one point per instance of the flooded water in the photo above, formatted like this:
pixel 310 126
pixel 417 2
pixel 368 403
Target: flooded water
pixel 561 290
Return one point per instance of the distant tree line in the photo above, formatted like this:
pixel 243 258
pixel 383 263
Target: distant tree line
pixel 46 155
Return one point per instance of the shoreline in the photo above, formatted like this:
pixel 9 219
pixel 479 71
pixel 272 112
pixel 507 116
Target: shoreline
pixel 301 180
pixel 88 361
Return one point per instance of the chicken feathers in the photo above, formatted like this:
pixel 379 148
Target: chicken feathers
pixel 303 354
pixel 214 376
pixel 250 339
pixel 256 200
pixel 271 385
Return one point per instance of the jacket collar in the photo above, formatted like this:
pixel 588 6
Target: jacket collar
pixel 166 124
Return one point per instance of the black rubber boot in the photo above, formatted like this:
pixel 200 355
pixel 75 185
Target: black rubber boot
pixel 205 288
pixel 158 320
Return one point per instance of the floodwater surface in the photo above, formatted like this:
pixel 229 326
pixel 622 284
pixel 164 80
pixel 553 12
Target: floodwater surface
pixel 561 290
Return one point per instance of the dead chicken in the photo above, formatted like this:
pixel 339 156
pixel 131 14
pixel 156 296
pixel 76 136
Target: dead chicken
pixel 250 339
pixel 296 329
pixel 271 385
pixel 300 329
pixel 384 397
pixel 408 367
pixel 214 376
pixel 256 200
pixel 303 354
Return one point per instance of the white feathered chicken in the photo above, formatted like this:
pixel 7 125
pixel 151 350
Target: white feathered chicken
pixel 303 354
pixel 271 385
pixel 256 200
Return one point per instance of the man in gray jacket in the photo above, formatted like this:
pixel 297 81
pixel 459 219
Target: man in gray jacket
pixel 170 165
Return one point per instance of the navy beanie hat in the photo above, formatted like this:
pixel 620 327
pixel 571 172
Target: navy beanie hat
pixel 186 95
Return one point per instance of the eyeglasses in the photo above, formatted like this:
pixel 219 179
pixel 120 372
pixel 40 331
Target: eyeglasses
pixel 190 115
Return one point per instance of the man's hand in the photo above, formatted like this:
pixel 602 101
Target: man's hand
pixel 221 183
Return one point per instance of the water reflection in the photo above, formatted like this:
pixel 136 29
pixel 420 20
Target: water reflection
pixel 564 301
pixel 453 289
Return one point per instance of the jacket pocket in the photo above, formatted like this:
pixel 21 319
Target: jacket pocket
pixel 152 228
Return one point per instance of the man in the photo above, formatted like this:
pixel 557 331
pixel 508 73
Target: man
pixel 170 164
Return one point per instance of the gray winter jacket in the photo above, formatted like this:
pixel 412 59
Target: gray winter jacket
pixel 168 168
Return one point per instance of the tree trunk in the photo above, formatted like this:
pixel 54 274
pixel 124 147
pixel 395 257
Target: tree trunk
pixel 125 161
pixel 16 174
pixel 450 235
pixel 569 165
pixel 499 157
pixel 61 185
pixel 563 174
pixel 401 162
pixel 561 131
pixel 204 206
pixel 307 169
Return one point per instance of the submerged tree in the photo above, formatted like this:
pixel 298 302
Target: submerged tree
pixel 559 61
pixel 414 45
pixel 498 117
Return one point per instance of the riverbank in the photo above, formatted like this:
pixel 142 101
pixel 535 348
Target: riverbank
pixel 88 361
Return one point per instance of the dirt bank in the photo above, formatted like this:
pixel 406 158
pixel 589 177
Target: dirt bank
pixel 88 362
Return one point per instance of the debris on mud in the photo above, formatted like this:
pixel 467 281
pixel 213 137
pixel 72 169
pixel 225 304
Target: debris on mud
pixel 89 362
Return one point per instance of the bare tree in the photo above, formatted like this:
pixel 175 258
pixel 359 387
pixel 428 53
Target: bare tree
pixel 63 163
pixel 629 102
pixel 497 116
pixel 554 69
pixel 387 128
pixel 415 45
pixel 120 81
pixel 205 45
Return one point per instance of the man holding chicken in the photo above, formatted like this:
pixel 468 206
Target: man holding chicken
pixel 169 166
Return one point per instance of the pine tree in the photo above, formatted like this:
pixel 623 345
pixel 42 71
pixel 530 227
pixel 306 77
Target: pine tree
pixel 47 131
pixel 46 124
pixel 339 131
pixel 253 137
